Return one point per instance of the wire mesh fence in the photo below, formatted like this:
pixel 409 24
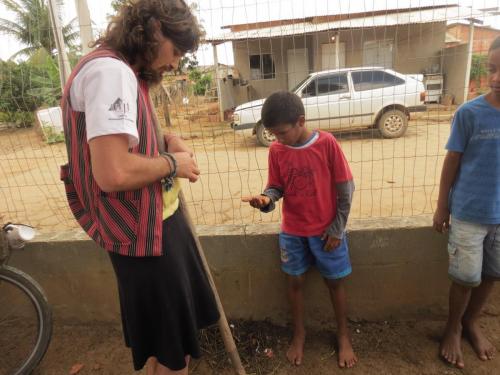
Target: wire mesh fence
pixel 384 77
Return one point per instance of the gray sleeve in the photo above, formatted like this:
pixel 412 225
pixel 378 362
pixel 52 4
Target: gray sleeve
pixel 345 191
pixel 275 195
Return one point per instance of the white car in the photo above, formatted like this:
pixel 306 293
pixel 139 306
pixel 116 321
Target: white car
pixel 347 99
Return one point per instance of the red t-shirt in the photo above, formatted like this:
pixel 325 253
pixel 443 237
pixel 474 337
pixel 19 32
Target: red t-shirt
pixel 307 176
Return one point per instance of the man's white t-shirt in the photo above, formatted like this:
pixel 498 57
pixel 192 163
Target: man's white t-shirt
pixel 106 90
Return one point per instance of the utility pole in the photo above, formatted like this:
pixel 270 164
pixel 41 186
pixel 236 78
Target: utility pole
pixel 85 24
pixel 470 51
pixel 62 57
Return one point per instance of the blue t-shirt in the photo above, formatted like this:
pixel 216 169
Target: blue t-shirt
pixel 475 132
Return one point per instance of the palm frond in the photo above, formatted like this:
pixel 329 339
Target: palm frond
pixel 24 52
pixel 10 27
pixel 13 6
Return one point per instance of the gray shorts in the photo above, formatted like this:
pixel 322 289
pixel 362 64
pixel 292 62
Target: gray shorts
pixel 474 251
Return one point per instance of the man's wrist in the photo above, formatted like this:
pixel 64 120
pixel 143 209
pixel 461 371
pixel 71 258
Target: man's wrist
pixel 172 162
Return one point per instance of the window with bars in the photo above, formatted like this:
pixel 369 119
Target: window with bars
pixel 262 67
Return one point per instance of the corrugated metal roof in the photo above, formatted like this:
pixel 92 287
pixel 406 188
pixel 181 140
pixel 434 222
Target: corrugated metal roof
pixel 453 13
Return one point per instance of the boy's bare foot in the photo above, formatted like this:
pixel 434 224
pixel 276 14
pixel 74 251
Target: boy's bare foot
pixel 295 352
pixel 482 346
pixel 451 349
pixel 347 358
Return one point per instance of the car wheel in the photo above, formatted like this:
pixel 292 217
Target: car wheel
pixel 264 136
pixel 393 124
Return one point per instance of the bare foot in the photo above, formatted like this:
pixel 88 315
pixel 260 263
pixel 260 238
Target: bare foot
pixel 347 358
pixel 295 352
pixel 450 348
pixel 482 346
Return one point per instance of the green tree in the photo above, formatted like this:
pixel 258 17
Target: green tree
pixel 478 67
pixel 25 86
pixel 201 81
pixel 117 4
pixel 32 26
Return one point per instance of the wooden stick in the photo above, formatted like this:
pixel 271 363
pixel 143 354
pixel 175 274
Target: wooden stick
pixel 224 329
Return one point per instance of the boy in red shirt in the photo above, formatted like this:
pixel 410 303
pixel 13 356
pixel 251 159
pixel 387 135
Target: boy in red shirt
pixel 309 171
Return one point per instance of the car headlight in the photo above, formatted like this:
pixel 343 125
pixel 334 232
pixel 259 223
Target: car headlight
pixel 236 117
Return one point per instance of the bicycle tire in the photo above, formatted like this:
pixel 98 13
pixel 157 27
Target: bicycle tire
pixel 44 314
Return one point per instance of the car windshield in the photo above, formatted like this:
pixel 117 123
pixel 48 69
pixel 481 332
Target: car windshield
pixel 300 84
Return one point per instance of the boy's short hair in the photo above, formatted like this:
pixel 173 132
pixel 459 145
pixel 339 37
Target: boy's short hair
pixel 281 107
pixel 495 45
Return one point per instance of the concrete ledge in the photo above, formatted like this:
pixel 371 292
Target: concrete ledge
pixel 399 271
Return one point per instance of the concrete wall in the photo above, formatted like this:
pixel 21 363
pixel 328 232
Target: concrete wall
pixel 278 47
pixel 399 265
pixel 483 36
pixel 454 68
pixel 417 47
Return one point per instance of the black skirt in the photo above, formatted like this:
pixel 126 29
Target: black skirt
pixel 165 300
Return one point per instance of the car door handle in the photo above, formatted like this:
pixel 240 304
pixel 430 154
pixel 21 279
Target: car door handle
pixel 344 97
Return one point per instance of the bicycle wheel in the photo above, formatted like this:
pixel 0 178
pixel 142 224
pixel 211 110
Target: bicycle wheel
pixel 25 322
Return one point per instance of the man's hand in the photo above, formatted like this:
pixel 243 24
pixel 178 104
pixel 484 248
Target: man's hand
pixel 331 242
pixel 441 220
pixel 257 201
pixel 186 166
pixel 176 144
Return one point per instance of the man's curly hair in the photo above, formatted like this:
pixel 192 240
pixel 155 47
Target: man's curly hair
pixel 132 32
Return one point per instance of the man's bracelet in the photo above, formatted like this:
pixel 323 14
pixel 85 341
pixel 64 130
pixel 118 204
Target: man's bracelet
pixel 168 181
pixel 173 163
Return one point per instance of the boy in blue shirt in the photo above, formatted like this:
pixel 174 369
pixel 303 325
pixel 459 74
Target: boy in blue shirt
pixel 470 192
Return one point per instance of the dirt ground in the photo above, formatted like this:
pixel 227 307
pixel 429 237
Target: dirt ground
pixel 389 347
pixel 394 177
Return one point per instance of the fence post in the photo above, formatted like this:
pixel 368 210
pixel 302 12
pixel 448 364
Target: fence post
pixel 217 81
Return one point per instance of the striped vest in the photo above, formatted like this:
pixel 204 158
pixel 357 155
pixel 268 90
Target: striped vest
pixel 130 222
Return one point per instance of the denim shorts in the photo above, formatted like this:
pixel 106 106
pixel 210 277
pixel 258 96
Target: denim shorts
pixel 299 253
pixel 474 251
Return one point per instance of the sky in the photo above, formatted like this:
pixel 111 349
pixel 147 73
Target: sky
pixel 215 13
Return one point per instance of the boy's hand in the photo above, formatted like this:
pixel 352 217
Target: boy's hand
pixel 441 220
pixel 331 242
pixel 257 201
